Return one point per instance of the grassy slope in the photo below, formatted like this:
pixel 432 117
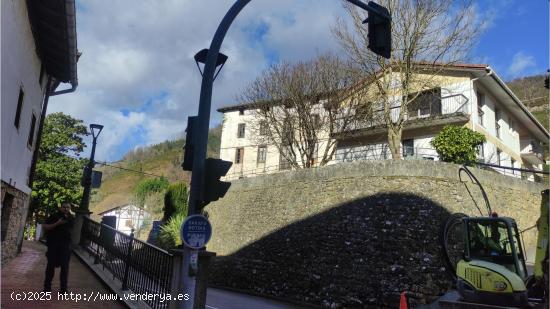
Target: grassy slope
pixel 163 159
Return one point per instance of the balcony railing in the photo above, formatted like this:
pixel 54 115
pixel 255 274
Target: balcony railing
pixel 532 151
pixel 448 105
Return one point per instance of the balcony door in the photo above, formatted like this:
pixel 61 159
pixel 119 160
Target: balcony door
pixel 425 104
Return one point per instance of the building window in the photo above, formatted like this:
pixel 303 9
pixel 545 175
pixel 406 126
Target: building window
pixel 316 121
pixel 264 128
pixel 499 155
pixel 497 125
pixel 511 126
pixel 408 148
pixel 19 108
pixel 481 153
pixel 31 133
pixel 239 155
pixel 425 103
pixel 240 132
pixel 41 76
pixel 7 205
pixel 480 104
pixel 241 111
pixel 284 158
pixel 262 153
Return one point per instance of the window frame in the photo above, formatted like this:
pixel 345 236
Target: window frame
pixel 480 104
pixel 404 147
pixel 241 130
pixel 30 139
pixel 262 154
pixel 18 111
pixel 239 155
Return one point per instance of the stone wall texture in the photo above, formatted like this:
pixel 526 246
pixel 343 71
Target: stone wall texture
pixel 353 235
pixel 16 218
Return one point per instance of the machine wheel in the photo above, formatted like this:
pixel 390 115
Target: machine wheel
pixel 452 242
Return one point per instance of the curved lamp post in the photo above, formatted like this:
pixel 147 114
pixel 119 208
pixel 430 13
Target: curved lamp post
pixel 380 17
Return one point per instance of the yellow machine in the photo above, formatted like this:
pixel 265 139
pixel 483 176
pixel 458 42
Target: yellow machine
pixel 491 268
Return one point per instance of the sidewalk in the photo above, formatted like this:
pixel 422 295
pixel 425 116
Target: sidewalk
pixel 25 274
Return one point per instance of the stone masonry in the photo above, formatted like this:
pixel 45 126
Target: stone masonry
pixel 353 235
pixel 15 219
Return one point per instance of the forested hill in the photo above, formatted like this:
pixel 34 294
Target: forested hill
pixel 164 159
pixel 532 93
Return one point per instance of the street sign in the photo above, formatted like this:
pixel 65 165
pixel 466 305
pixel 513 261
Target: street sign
pixel 196 231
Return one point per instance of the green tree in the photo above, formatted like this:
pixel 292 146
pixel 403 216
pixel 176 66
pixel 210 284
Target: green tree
pixel 175 200
pixel 147 187
pixel 457 144
pixel 58 172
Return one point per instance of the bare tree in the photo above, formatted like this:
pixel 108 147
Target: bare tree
pixel 298 107
pixel 427 37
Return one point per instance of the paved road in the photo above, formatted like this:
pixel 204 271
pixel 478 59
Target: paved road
pixel 222 299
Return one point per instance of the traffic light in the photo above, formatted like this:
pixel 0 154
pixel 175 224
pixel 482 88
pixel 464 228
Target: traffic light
pixel 189 143
pixel 547 82
pixel 379 21
pixel 213 188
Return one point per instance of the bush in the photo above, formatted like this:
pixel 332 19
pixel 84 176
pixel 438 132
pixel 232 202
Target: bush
pixel 169 236
pixel 149 186
pixel 457 144
pixel 175 200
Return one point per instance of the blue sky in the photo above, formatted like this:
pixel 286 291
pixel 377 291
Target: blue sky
pixel 138 78
pixel 516 42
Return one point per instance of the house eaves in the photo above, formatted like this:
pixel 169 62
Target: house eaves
pixel 53 24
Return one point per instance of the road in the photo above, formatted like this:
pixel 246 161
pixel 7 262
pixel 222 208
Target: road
pixel 222 299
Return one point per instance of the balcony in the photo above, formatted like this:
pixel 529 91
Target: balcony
pixel 424 113
pixel 531 151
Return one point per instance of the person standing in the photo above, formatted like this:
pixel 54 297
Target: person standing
pixel 58 238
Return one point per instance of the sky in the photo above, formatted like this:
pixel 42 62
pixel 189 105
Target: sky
pixel 138 78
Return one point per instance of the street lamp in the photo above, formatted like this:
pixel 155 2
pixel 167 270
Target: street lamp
pixel 95 129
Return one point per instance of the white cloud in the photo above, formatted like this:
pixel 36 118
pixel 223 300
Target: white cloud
pixel 137 75
pixel 521 64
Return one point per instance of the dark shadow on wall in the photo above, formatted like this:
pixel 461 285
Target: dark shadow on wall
pixel 360 254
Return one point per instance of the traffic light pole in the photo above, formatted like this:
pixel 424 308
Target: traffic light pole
pixel 201 139
pixel 201 133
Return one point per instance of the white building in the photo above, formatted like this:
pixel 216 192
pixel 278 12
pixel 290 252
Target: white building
pixel 38 49
pixel 468 95
pixel 128 217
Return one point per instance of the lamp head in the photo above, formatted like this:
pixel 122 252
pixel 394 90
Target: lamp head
pixel 201 56
pixel 95 129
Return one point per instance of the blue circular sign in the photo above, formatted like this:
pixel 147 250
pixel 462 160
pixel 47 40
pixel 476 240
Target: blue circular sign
pixel 196 231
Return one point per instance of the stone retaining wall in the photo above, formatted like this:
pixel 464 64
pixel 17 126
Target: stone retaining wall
pixel 353 234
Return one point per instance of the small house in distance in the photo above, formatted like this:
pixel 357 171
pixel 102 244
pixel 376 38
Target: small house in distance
pixel 128 217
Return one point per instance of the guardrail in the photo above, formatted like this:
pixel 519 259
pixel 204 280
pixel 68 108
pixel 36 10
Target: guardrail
pixel 139 266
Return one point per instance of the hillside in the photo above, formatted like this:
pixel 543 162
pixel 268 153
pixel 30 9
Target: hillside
pixel 164 159
pixel 532 93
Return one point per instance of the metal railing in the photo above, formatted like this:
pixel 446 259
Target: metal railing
pixel 139 266
pixel 382 152
pixel 447 105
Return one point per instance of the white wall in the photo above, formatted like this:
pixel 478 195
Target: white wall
pixel 130 213
pixel 20 68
